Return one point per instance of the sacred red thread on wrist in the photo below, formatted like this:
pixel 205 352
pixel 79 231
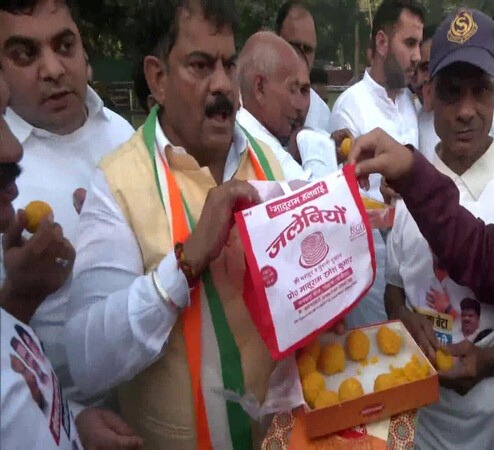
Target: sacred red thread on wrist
pixel 185 266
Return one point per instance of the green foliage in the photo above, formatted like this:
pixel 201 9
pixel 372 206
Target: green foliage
pixel 105 24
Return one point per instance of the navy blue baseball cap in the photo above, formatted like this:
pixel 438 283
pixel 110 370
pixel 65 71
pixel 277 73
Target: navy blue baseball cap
pixel 465 36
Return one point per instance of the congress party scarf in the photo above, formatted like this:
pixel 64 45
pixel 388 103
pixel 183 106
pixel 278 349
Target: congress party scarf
pixel 182 224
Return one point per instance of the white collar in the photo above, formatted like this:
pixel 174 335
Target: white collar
pixel 250 122
pixel 239 144
pixel 379 90
pixel 22 129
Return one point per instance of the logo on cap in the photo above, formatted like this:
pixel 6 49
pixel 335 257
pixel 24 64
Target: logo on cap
pixel 462 28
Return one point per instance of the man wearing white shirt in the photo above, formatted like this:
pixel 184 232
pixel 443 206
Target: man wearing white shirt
pixel 382 100
pixel 462 74
pixel 156 301
pixel 274 83
pixel 63 127
pixel 428 138
pixel 295 24
pixel 32 407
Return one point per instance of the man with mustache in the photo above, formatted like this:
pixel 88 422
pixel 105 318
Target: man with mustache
pixel 156 305
pixel 31 408
pixel 63 127
pixel 382 100
pixel 428 138
pixel 462 70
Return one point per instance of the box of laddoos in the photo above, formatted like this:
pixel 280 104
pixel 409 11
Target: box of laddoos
pixel 381 215
pixel 365 376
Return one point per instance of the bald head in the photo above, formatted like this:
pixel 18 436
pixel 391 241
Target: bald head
pixel 267 55
pixel 270 80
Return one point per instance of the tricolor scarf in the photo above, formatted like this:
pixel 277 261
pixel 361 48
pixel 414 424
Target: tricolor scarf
pixel 181 224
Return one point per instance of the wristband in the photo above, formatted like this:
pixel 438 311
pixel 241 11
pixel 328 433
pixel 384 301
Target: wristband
pixel 185 266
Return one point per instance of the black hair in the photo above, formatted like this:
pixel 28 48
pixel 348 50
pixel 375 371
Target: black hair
pixel 429 32
pixel 388 15
pixel 470 303
pixel 28 6
pixel 141 88
pixel 301 54
pixel 285 10
pixel 157 24
pixel 318 76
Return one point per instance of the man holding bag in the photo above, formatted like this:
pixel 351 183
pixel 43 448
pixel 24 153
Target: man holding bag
pixel 156 304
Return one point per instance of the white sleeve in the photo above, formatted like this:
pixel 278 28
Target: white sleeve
pixel 292 170
pixel 319 115
pixel 393 248
pixel 346 114
pixel 318 153
pixel 117 323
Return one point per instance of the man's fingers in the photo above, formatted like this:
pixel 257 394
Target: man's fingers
pixel 367 167
pixel 364 148
pixel 431 337
pixel 243 194
pixel 117 424
pixel 13 236
pixel 459 349
pixel 129 442
pixel 46 235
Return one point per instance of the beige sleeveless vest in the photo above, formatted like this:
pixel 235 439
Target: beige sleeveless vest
pixel 158 402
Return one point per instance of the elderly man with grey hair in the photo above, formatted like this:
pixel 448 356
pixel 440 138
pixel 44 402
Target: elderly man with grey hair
pixel 275 88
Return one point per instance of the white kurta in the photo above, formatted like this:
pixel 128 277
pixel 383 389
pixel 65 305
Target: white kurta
pixel 319 116
pixel 54 167
pixel 456 422
pixel 317 150
pixel 118 324
pixel 362 108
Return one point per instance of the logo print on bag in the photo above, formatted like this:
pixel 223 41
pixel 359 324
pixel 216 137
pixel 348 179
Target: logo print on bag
pixel 357 231
pixel 308 216
pixel 462 28
pixel 314 250
pixel 269 276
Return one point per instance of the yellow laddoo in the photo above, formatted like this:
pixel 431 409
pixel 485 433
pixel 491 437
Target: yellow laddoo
pixel 314 349
pixel 369 203
pixel 312 385
pixel 398 374
pixel 385 381
pixel 306 365
pixel 357 345
pixel 422 365
pixel 332 359
pixel 36 211
pixel 412 371
pixel 444 362
pixel 326 398
pixel 345 147
pixel 350 389
pixel 389 341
